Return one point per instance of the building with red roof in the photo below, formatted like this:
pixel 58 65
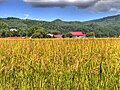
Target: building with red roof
pixel 57 36
pixel 77 35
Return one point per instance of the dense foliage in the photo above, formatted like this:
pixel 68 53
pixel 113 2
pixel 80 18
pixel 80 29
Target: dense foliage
pixel 60 64
pixel 106 27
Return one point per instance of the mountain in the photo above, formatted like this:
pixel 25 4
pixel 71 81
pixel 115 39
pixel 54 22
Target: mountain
pixel 108 19
pixel 57 20
pixel 111 23
pixel 104 27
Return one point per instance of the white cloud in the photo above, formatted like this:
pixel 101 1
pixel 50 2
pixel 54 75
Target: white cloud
pixel 26 16
pixel 118 11
pixel 106 5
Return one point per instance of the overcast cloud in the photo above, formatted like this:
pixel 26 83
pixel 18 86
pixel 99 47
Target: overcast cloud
pixel 1 1
pixel 93 5
pixel 62 3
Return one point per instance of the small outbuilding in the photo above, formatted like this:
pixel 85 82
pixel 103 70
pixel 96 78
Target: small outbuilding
pixel 50 35
pixel 58 36
pixel 77 35
pixel 13 29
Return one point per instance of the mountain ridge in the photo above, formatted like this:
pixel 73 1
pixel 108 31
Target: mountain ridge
pixel 103 27
pixel 115 17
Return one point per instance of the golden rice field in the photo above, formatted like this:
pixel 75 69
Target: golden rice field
pixel 60 64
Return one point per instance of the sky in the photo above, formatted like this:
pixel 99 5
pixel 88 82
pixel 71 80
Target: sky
pixel 66 10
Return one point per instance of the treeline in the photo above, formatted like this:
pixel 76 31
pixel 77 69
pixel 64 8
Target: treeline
pixel 34 31
pixel 40 28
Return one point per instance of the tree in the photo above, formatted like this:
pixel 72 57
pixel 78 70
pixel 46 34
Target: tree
pixel 4 30
pixel 22 32
pixel 34 30
pixel 39 34
pixel 68 34
pixel 55 32
pixel 90 34
pixel 5 33
pixel 3 25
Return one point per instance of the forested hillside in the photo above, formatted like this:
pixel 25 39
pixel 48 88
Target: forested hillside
pixel 105 27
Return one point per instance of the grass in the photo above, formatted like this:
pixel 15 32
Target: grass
pixel 60 64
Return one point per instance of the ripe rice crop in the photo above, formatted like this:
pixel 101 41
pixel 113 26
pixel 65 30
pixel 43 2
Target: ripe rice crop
pixel 60 64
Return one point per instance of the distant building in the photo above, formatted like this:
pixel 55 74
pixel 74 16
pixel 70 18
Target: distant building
pixel 57 36
pixel 77 35
pixel 13 29
pixel 51 35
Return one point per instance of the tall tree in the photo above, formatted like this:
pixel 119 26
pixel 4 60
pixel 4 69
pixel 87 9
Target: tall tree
pixel 36 32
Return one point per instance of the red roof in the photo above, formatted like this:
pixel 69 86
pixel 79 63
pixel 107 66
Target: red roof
pixel 84 35
pixel 58 35
pixel 77 34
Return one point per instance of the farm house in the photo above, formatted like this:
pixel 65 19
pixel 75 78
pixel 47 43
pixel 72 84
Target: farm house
pixel 77 35
pixel 58 36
